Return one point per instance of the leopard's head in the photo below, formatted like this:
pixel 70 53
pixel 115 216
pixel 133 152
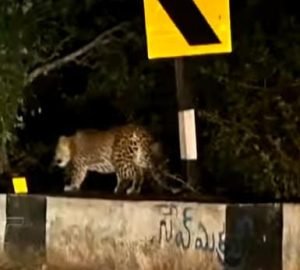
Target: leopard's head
pixel 63 152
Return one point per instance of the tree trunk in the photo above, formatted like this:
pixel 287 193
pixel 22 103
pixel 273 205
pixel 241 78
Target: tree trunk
pixel 4 161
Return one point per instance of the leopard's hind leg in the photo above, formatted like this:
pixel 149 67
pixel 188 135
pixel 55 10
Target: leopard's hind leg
pixel 128 172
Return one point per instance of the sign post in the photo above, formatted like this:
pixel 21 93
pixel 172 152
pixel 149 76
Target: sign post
pixel 186 124
pixel 179 28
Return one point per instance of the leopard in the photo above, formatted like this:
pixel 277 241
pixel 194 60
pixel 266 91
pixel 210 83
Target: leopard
pixel 129 151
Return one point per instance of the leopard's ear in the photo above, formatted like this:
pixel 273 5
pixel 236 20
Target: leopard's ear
pixel 63 140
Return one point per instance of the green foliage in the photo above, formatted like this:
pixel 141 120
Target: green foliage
pixel 24 41
pixel 12 72
pixel 32 33
pixel 248 100
pixel 254 132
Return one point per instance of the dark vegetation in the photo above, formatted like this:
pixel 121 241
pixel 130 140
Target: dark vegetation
pixel 248 101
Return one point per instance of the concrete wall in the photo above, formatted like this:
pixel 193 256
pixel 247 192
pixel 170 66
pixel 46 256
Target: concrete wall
pixel 291 236
pixel 2 221
pixel 88 228
pixel 151 234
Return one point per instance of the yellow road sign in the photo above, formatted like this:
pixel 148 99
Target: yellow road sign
pixel 20 185
pixel 177 28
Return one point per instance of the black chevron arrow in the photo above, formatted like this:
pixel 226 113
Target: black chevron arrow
pixel 190 21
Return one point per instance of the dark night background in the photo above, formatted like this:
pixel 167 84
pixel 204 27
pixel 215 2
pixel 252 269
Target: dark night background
pixel 248 101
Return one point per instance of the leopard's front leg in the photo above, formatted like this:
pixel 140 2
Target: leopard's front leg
pixel 78 174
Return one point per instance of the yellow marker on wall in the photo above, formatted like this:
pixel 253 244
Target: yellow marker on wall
pixel 20 185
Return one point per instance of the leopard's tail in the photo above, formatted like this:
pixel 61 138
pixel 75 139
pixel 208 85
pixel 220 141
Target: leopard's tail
pixel 159 169
pixel 160 177
pixel 160 172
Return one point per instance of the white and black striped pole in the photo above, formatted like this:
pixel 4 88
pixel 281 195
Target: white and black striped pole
pixel 186 125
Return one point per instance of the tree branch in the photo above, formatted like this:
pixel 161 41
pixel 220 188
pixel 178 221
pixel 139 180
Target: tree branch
pixel 100 39
pixel 224 79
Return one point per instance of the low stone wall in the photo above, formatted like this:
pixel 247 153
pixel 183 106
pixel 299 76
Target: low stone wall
pixel 88 231
pixel 117 234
